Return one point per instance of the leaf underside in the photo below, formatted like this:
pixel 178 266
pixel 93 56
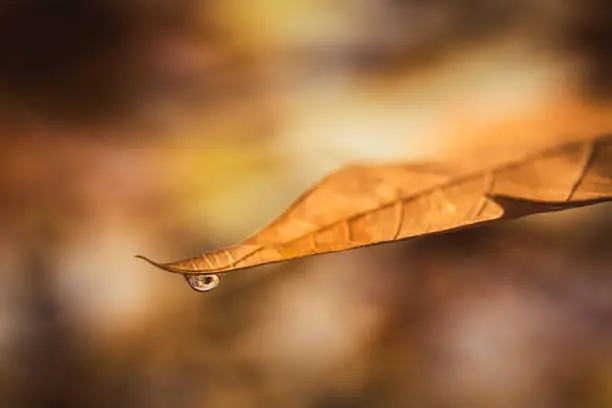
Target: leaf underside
pixel 372 204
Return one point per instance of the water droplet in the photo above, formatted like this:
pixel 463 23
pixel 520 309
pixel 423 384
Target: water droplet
pixel 203 283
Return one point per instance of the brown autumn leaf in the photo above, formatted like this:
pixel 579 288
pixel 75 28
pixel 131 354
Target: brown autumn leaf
pixel 371 204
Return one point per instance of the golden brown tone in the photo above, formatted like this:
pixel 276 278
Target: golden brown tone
pixel 372 204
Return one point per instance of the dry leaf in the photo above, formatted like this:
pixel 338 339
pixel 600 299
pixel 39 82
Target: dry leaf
pixel 372 204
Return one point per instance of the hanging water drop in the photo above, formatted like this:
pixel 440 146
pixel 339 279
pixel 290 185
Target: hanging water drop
pixel 203 283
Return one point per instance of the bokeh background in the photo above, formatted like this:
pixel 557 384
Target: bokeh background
pixel 168 128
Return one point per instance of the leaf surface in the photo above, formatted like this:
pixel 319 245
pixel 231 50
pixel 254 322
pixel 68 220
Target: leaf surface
pixel 372 204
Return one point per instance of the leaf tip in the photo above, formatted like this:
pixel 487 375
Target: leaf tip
pixel 150 261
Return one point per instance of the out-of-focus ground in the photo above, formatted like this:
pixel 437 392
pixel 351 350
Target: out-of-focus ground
pixel 168 128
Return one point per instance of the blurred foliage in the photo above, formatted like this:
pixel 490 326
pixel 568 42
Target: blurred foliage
pixel 175 127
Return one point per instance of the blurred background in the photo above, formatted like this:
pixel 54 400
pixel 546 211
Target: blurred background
pixel 168 128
